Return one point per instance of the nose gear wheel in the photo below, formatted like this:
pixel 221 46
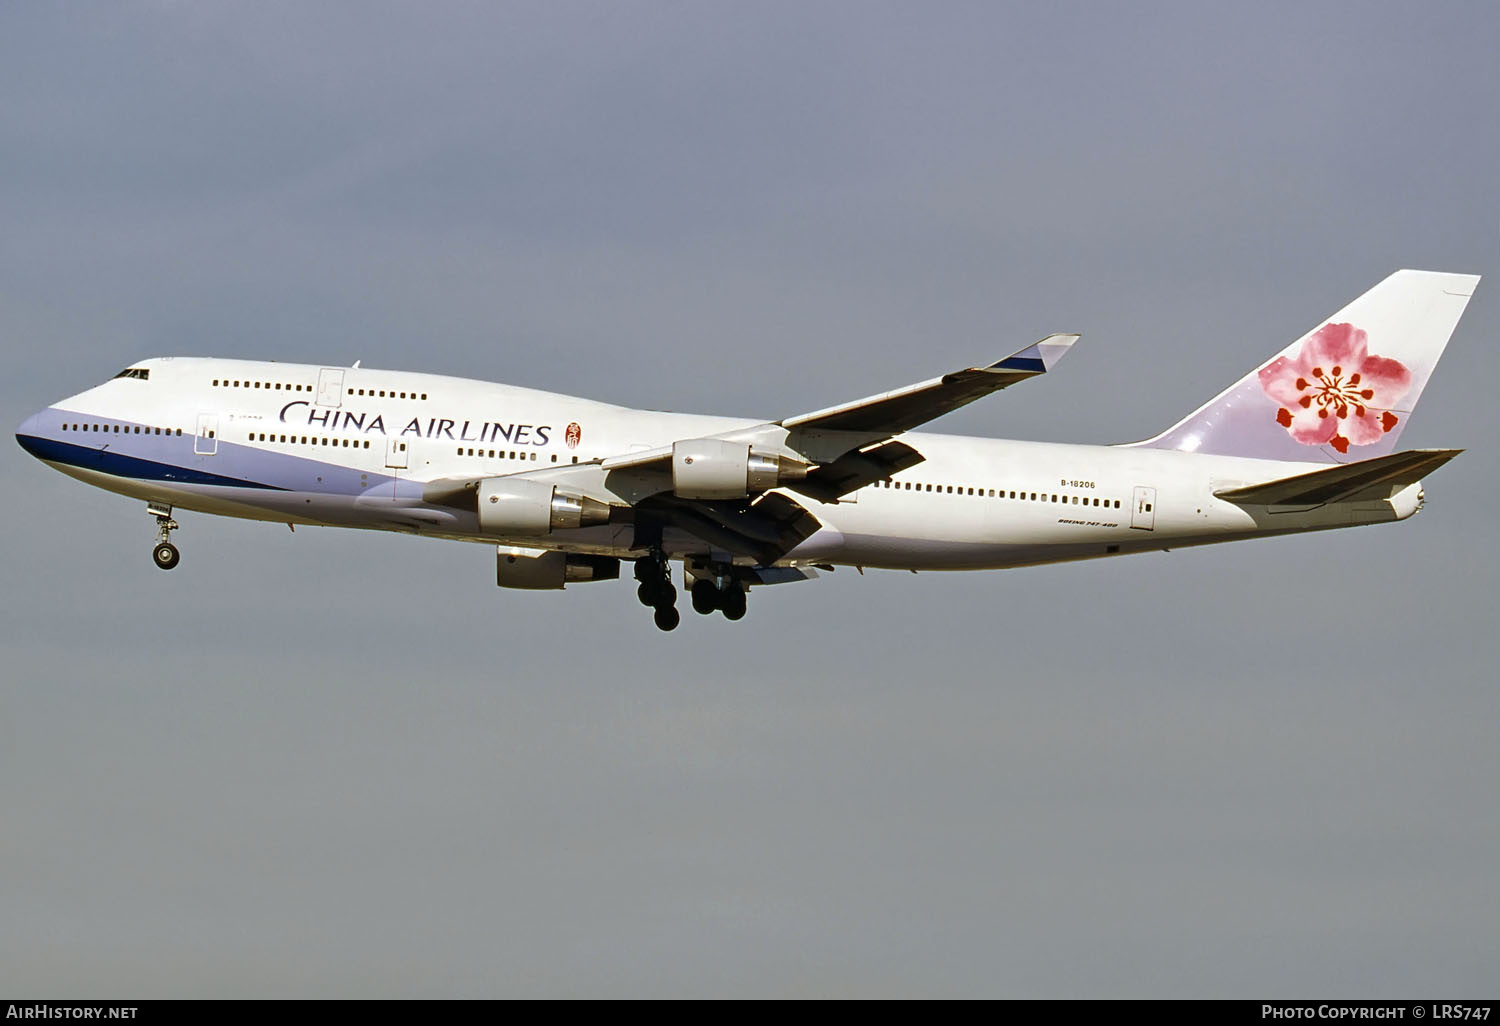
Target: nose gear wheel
pixel 164 554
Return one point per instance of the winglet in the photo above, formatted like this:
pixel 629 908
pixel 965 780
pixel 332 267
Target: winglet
pixel 1038 358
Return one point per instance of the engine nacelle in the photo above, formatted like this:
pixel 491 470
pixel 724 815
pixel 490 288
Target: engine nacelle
pixel 518 506
pixel 712 468
pixel 544 570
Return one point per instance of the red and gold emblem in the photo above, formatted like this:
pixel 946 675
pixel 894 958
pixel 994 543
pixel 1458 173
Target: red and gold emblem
pixel 574 435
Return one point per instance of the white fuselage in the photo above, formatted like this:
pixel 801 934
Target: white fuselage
pixel 353 447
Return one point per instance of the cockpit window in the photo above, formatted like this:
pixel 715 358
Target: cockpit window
pixel 134 372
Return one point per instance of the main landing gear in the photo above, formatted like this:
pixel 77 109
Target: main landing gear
pixel 714 589
pixel 165 554
pixel 727 596
pixel 656 590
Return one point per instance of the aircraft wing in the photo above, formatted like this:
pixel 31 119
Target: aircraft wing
pixel 765 527
pixel 1379 478
pixel 891 413
pixel 851 445
pixel 839 450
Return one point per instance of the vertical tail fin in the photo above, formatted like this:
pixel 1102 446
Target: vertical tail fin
pixel 1344 390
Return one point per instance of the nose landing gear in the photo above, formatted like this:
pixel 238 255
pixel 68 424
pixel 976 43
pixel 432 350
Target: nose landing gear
pixel 165 554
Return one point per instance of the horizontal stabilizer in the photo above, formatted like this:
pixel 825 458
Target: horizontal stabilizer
pixel 1379 478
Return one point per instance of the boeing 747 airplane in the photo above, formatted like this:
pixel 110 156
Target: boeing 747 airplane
pixel 567 488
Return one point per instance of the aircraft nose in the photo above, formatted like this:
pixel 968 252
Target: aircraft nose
pixel 31 434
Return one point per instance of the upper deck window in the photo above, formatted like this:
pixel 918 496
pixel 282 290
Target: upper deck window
pixel 134 372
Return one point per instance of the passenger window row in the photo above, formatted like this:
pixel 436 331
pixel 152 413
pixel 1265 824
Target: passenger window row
pixel 310 440
pixel 385 393
pixel 501 454
pixel 128 429
pixel 278 386
pixel 992 493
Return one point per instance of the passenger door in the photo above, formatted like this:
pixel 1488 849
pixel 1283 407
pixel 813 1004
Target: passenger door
pixel 1143 509
pixel 206 440
pixel 331 386
pixel 396 455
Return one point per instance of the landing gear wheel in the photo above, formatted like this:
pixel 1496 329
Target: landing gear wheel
pixel 732 602
pixel 656 593
pixel 656 590
pixel 655 587
pixel 166 556
pixel 705 596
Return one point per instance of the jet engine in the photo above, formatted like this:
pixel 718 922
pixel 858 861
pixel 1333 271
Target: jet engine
pixel 712 468
pixel 541 569
pixel 517 506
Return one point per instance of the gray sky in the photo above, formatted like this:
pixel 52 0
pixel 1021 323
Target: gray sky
pixel 337 764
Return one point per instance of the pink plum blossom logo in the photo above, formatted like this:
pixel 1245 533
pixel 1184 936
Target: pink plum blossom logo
pixel 1334 392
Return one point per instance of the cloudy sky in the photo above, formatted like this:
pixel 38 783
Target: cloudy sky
pixel 332 764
